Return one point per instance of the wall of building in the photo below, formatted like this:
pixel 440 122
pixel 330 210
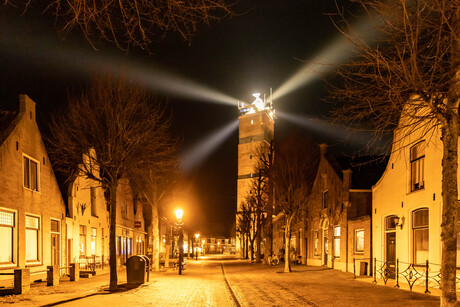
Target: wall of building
pixel 46 203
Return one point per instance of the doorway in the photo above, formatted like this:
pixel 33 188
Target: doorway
pixel 325 246
pixel 390 246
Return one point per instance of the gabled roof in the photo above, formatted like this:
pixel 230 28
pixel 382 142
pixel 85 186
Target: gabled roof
pixel 8 120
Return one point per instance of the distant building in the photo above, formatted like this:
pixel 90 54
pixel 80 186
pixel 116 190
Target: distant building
pixel 32 211
pixel 256 129
pixel 217 245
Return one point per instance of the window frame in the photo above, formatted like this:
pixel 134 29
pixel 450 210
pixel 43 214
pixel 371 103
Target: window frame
pixel 93 201
pixel 81 243
pixel 417 167
pixel 336 238
pixel 14 232
pixel 28 185
pixel 38 233
pixel 325 199
pixel 356 251
pixel 418 228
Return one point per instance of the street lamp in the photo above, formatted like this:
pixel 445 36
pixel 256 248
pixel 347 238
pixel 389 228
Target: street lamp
pixel 179 223
pixel 197 237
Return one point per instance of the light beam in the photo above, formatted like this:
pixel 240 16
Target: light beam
pixel 340 50
pixel 61 56
pixel 193 156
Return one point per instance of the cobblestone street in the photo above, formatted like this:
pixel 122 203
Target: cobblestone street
pixel 219 281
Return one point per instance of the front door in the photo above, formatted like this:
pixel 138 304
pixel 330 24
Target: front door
pixel 391 254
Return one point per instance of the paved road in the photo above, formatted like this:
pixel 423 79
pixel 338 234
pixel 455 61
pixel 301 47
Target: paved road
pixel 219 282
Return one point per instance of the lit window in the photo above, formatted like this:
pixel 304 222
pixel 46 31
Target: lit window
pixel 316 241
pixel 7 228
pixel 93 240
pixel 417 166
pixel 337 242
pixel 325 199
pixel 359 241
pixel 32 238
pixel 31 173
pixel 82 240
pixel 252 122
pixel 420 235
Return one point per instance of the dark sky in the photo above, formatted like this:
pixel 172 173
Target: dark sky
pixel 260 47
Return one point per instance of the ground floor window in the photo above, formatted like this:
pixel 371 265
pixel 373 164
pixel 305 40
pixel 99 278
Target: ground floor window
pixel 420 231
pixel 32 238
pixel 359 241
pixel 82 240
pixel 337 241
pixel 93 240
pixel 316 242
pixel 7 228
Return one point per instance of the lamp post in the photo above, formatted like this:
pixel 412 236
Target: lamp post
pixel 179 224
pixel 197 237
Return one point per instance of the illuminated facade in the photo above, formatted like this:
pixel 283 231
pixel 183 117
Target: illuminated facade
pixel 256 129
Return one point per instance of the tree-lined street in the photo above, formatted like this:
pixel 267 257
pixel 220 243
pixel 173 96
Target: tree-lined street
pixel 204 283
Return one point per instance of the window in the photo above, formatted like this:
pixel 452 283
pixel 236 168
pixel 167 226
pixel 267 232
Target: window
pixel 31 173
pixel 124 210
pixel 93 201
pixel 337 242
pixel 325 199
pixel 32 238
pixel 315 242
pixel 390 223
pixel 359 241
pixel 417 165
pixel 7 227
pixel 82 240
pixel 93 240
pixel 420 235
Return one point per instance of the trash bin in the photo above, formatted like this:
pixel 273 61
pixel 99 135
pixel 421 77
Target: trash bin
pixel 137 269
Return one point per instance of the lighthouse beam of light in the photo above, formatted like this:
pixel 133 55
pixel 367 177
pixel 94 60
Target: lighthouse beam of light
pixel 196 154
pixel 339 51
pixel 358 138
pixel 18 42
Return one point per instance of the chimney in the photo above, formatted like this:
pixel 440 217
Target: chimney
pixel 26 106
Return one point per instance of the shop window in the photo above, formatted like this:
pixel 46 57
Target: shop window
pixel 93 240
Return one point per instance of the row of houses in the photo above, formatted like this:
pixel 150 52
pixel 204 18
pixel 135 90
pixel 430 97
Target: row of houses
pixel 361 216
pixel 45 221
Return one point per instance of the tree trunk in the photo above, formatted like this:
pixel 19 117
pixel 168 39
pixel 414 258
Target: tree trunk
pixel 112 242
pixel 258 234
pixel 155 237
pixel 287 238
pixel 449 216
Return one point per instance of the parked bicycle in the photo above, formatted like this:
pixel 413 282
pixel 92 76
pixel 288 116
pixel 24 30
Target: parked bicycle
pixel 273 260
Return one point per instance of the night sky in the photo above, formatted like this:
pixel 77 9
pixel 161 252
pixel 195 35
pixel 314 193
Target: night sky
pixel 264 44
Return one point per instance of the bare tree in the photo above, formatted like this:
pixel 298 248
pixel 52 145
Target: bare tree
pixel 126 130
pixel 244 227
pixel 131 22
pixel 412 74
pixel 294 170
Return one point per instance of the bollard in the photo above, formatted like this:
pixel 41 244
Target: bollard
pixel 52 276
pixel 21 281
pixel 74 272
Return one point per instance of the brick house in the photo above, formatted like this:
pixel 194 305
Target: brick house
pixel 32 210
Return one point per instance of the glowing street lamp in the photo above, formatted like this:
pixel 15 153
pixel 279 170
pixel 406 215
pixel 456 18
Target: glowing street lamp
pixel 179 223
pixel 197 237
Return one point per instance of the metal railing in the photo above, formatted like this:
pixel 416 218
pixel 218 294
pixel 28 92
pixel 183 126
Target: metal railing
pixel 426 275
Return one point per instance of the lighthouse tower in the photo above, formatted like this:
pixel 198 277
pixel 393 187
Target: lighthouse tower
pixel 256 129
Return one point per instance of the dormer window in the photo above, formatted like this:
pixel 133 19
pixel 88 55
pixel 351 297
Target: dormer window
pixel 417 166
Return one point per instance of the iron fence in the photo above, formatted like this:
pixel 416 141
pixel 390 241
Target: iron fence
pixel 426 275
